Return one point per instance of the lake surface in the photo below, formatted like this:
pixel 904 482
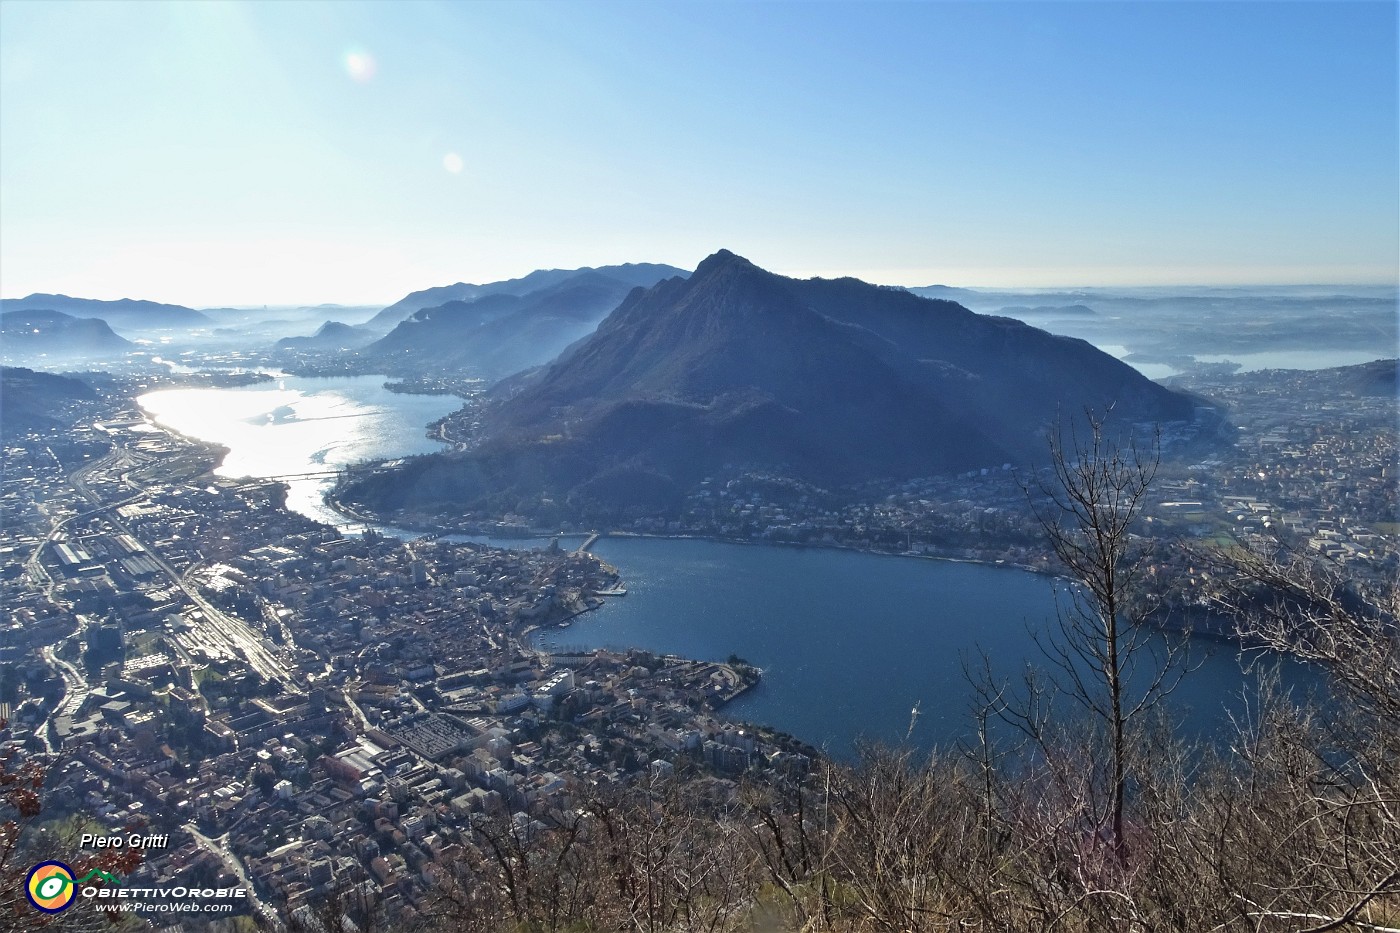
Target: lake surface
pixel 1150 370
pixel 1296 359
pixel 1324 358
pixel 303 425
pixel 850 643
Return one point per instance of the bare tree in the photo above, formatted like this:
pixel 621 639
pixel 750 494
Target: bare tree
pixel 1340 776
pixel 22 802
pixel 1087 508
pixel 1310 609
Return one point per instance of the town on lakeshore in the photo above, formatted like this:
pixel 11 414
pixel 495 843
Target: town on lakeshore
pixel 1308 453
pixel 272 700
pixel 618 467
pixel 261 700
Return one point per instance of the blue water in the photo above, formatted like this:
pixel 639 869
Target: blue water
pixel 850 642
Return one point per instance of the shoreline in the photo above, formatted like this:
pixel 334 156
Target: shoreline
pixel 1173 624
pixel 1176 622
pixel 802 546
pixel 591 537
pixel 738 688
pixel 219 451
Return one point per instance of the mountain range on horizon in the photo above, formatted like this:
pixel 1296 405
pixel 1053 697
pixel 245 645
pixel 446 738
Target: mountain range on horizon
pixel 122 313
pixel 58 335
pixel 498 328
pixel 831 381
pixel 500 333
pixel 630 274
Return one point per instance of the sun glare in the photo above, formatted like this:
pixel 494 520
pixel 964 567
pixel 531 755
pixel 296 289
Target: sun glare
pixel 453 163
pixel 359 65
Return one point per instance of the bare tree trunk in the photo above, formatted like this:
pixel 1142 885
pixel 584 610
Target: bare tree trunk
pixel 1087 509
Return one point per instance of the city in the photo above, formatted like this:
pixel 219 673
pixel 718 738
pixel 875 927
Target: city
pixel 304 710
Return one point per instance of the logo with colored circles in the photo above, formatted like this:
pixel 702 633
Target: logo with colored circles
pixel 50 887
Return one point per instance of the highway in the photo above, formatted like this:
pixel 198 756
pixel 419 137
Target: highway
pixel 75 691
pixel 78 689
pixel 35 568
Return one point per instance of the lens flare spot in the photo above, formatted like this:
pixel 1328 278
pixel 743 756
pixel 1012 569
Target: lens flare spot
pixel 453 163
pixel 359 65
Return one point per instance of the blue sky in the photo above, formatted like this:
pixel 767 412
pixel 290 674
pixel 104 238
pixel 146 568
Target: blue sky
pixel 248 153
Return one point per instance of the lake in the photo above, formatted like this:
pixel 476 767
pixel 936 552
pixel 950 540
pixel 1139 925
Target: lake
pixel 850 643
pixel 296 425
pixel 1294 359
pixel 1324 358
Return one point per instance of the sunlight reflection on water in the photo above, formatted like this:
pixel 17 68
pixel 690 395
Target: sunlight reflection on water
pixel 302 425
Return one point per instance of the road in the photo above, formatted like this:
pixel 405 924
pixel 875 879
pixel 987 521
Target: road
pixel 75 693
pixel 241 638
pixel 78 479
pixel 220 848
pixel 75 685
pixel 348 691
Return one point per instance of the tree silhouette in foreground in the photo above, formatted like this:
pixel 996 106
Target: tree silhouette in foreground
pixel 1344 814
pixel 1101 646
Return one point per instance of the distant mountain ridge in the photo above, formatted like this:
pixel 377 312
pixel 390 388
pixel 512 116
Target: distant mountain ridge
pixel 125 312
pixel 1049 311
pixel 330 336
pixel 833 381
pixel 53 333
pixel 632 274
pixel 497 334
pixel 944 292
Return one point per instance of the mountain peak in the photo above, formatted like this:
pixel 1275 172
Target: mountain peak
pixel 722 259
pixel 831 382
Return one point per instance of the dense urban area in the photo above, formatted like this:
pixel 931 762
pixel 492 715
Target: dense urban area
pixel 298 709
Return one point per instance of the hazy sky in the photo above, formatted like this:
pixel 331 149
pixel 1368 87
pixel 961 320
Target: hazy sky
pixel 246 153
